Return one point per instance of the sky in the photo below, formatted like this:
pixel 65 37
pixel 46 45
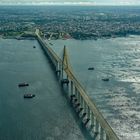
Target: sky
pixel 66 2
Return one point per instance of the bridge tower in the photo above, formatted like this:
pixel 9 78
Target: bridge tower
pixel 65 66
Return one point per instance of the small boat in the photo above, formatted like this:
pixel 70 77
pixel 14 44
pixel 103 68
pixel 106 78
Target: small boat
pixel 29 95
pixel 105 79
pixel 64 81
pixel 91 68
pixel 23 84
pixel 34 46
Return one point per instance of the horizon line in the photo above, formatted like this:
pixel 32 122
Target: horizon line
pixel 64 5
pixel 68 4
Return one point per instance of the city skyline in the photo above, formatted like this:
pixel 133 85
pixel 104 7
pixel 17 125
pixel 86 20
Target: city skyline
pixel 69 2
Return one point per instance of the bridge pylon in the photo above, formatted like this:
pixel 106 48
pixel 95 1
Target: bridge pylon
pixel 65 62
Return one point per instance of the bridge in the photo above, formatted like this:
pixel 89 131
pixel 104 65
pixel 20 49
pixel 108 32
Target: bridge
pixel 85 108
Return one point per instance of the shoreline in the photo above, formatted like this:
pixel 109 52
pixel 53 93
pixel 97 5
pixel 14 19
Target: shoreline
pixel 80 39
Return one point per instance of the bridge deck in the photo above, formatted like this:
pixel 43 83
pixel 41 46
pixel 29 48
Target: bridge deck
pixel 48 116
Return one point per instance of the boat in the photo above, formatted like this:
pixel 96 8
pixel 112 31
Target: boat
pixel 64 81
pixel 34 46
pixel 105 79
pixel 23 84
pixel 29 95
pixel 91 68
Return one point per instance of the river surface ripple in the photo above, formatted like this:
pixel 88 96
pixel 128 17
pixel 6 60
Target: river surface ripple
pixel 119 60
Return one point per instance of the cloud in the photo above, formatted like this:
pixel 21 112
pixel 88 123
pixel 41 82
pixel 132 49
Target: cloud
pixel 45 1
pixel 127 2
pixel 82 2
pixel 48 2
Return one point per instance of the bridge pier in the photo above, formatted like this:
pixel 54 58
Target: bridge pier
pixel 58 70
pixel 96 130
pixel 92 125
pixel 71 88
pixel 102 134
pixel 88 116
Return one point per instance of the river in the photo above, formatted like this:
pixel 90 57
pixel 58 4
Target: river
pixel 119 60
pixel 48 116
